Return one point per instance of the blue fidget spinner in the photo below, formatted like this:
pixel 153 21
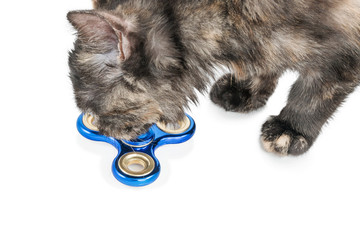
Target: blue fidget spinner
pixel 135 164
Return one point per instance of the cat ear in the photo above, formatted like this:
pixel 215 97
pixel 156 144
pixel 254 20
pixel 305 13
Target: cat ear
pixel 101 29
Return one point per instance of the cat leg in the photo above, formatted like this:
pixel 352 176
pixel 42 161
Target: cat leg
pixel 243 95
pixel 311 102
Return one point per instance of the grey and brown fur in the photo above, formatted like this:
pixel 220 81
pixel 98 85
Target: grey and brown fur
pixel 136 62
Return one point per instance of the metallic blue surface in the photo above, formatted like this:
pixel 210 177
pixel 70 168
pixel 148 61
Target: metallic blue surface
pixel 146 143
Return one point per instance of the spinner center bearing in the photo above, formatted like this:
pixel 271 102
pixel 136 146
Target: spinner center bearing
pixel 142 140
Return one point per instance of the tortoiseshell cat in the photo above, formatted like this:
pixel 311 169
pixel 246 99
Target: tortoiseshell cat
pixel 136 62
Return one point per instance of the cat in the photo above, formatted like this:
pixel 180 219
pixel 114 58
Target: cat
pixel 137 62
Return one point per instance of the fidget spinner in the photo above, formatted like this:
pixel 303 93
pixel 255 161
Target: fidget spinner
pixel 135 164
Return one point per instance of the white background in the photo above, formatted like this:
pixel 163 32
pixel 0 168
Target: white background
pixel 55 184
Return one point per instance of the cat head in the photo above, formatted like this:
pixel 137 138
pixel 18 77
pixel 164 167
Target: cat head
pixel 118 70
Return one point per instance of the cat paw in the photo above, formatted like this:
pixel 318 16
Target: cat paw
pixel 234 95
pixel 279 138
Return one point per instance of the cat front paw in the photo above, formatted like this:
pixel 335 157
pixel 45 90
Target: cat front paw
pixel 279 138
pixel 234 95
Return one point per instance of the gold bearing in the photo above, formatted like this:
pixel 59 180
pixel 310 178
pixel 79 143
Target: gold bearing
pixel 136 158
pixel 184 125
pixel 88 120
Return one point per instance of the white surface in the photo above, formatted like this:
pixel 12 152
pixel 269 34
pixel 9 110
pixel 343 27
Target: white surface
pixel 54 184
